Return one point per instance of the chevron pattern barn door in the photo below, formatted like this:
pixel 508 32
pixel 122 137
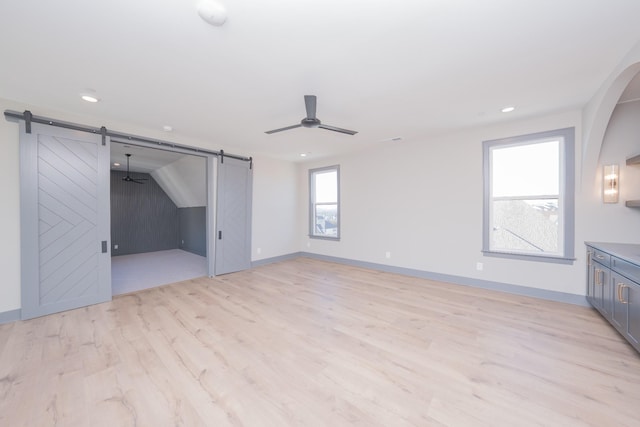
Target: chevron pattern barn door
pixel 64 208
pixel 233 219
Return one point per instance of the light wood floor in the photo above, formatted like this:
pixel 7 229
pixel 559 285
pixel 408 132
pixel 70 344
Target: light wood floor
pixel 306 342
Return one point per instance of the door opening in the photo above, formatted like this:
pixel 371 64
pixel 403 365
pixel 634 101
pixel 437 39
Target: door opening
pixel 159 203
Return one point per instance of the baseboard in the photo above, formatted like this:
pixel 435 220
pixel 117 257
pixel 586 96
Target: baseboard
pixel 9 316
pixel 458 280
pixel 286 257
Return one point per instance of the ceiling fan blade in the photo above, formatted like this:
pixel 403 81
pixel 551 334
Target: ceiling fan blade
pixel 137 181
pixel 281 129
pixel 310 105
pixel 129 179
pixel 335 129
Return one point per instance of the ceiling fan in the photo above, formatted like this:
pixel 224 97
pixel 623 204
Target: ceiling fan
pixel 128 178
pixel 311 121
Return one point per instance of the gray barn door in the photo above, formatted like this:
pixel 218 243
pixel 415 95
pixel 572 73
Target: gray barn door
pixel 233 217
pixel 64 184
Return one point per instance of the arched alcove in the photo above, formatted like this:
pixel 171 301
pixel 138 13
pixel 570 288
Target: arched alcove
pixel 621 141
pixel 597 113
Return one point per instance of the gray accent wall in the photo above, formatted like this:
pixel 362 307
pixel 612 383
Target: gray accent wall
pixel 192 229
pixel 143 217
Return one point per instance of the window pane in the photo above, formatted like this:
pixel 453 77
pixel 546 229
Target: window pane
pixel 324 203
pixel 526 170
pixel 326 184
pixel 526 226
pixel 326 220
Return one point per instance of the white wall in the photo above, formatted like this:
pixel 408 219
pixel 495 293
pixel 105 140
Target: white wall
pixel 422 201
pixel 9 215
pixel 274 194
pixel 275 202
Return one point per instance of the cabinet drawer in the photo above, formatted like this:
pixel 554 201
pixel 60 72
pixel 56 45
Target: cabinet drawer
pixel 625 268
pixel 601 257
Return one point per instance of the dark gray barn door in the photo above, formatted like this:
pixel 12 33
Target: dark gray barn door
pixel 233 219
pixel 64 220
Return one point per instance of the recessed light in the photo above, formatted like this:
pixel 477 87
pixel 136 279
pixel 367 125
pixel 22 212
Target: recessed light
pixel 303 154
pixel 116 164
pixel 508 109
pixel 90 98
pixel 167 128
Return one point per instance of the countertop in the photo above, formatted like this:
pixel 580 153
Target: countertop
pixel 625 251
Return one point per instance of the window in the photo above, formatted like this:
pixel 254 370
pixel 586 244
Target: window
pixel 324 202
pixel 529 196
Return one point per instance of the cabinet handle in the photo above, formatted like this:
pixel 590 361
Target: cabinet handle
pixel 589 254
pixel 599 256
pixel 597 279
pixel 621 287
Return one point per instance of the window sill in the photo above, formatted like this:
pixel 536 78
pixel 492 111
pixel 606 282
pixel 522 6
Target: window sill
pixel 335 239
pixel 526 257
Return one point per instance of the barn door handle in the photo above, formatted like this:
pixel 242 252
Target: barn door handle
pixel 219 234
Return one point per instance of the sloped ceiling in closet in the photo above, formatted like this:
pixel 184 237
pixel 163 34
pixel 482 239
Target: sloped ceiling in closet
pixel 184 181
pixel 182 176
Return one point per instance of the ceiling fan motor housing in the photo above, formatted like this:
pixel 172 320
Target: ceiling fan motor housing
pixel 310 123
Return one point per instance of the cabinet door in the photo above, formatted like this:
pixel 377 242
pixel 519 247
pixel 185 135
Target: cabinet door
pixel 607 293
pixel 626 308
pixel 602 289
pixel 631 294
pixel 619 303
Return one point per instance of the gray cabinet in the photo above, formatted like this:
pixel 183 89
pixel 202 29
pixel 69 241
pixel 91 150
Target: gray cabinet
pixel 626 312
pixel 599 284
pixel 613 286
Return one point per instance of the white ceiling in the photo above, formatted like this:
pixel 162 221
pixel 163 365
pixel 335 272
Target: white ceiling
pixel 409 68
pixel 143 159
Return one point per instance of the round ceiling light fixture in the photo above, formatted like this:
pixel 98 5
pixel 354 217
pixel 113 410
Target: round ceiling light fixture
pixel 89 98
pixel 89 95
pixel 212 12
pixel 508 109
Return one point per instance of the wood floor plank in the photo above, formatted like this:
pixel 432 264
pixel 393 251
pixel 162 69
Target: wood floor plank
pixel 310 343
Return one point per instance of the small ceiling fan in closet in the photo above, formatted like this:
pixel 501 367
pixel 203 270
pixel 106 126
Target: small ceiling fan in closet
pixel 128 177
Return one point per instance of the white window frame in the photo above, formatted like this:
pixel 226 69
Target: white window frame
pixel 566 196
pixel 313 204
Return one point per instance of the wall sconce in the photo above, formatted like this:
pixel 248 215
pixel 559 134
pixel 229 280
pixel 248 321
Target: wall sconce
pixel 610 184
